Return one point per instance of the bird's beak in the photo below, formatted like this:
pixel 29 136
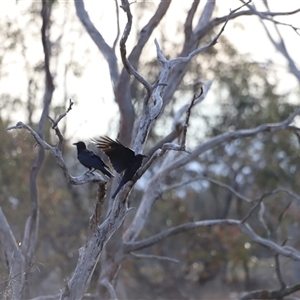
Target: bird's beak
pixel 75 144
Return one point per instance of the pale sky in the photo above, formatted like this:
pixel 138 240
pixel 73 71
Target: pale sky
pixel 94 104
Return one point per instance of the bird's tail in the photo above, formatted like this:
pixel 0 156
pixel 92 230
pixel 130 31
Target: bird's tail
pixel 117 190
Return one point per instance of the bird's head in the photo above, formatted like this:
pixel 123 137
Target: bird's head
pixel 80 145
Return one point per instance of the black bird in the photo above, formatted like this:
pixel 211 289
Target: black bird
pixel 90 160
pixel 122 158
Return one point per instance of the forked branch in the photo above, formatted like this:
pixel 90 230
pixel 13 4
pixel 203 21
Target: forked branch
pixel 130 69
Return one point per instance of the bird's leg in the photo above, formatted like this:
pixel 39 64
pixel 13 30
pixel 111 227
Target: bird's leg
pixel 88 171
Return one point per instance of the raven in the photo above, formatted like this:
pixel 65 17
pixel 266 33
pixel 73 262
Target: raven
pixel 122 158
pixel 90 160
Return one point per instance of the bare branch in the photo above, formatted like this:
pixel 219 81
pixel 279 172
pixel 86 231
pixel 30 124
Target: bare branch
pixel 30 236
pixel 147 30
pixel 199 100
pixel 139 245
pixel 175 133
pixel 110 288
pixel 228 187
pixel 280 46
pixel 286 251
pixel 85 178
pixel 126 7
pixel 192 43
pixel 278 272
pixel 47 297
pixel 268 194
pixel 281 215
pixel 56 128
pixel 130 69
pixel 215 141
pixel 188 114
pixel 264 16
pixel 118 26
pixel 147 256
pixel 180 60
pixel 177 125
pixel 205 16
pixel 60 117
pixel 266 294
pixel 89 255
pixel 188 29
pixel 261 218
pixel 151 196
pixel 151 113
pixel 249 213
pixel 95 35
pixel 217 21
pixel 123 93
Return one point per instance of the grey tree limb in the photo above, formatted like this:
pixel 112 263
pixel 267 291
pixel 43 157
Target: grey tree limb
pixel 89 254
pixel 96 36
pixel 245 228
pixel 56 152
pixel 281 47
pixel 128 66
pixel 150 114
pixel 192 40
pixel 148 256
pixel 118 26
pixel 31 227
pixel 105 282
pixel 272 294
pixel 79 282
pixel 123 94
pixel 151 194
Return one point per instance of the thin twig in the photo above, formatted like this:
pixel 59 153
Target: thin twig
pixel 147 256
pixel 13 277
pixel 278 272
pixel 83 179
pixel 271 294
pixel 187 58
pixel 128 66
pixel 261 218
pixel 105 282
pixel 264 16
pixel 108 53
pixel 188 114
pixel 188 25
pixel 56 128
pixel 118 26
pixel 286 251
pixel 281 215
pixel 30 236
pixel 268 194
pixel 61 116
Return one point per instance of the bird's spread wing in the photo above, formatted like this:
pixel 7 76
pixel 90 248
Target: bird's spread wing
pixel 119 155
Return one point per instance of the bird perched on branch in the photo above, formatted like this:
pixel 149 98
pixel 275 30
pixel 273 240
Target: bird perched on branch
pixel 122 159
pixel 90 160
